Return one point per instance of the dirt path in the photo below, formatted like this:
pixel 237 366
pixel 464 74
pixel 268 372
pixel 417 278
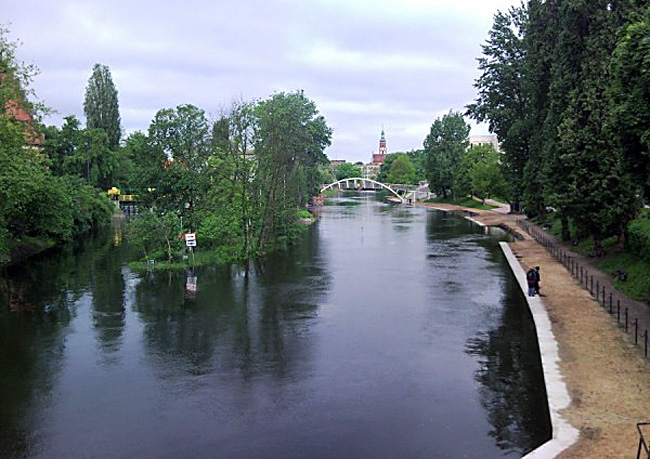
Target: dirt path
pixel 606 374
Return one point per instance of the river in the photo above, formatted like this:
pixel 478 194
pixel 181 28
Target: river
pixel 388 332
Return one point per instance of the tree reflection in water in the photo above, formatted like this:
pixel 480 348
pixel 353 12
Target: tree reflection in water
pixel 248 320
pixel 512 386
pixel 38 301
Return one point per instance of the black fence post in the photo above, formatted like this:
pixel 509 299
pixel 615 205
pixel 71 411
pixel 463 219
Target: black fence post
pixel 597 289
pixel 603 297
pixel 636 331
pixel 591 290
pixel 618 313
pixel 626 317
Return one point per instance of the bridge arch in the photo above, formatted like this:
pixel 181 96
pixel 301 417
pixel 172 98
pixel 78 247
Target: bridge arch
pixel 356 179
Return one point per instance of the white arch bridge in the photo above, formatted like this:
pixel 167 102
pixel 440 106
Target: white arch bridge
pixel 411 192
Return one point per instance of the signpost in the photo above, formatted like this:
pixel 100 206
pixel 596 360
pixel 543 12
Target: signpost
pixel 190 241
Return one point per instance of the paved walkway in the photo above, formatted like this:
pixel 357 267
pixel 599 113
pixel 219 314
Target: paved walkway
pixel 605 372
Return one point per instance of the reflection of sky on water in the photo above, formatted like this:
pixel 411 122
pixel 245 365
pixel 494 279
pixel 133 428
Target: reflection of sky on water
pixel 389 331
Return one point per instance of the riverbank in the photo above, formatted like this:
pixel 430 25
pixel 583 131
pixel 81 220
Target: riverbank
pixel 605 373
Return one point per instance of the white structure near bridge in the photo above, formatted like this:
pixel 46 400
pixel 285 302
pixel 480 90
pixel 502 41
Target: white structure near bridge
pixel 410 193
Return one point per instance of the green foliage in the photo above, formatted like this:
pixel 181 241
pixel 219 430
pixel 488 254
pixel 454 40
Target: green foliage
pixel 402 171
pixel 347 170
pixel 221 233
pixel 238 183
pixel 638 241
pixel 101 106
pixel 444 147
pixel 630 92
pixel 569 105
pixel 502 100
pixel 156 235
pixel 637 284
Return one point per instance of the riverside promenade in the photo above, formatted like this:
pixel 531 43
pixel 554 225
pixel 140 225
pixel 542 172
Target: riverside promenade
pixel 605 373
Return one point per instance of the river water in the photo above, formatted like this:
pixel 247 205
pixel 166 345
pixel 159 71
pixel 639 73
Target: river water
pixel 388 332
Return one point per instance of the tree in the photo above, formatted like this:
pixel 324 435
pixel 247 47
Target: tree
pixel 444 146
pixel 479 172
pixel 180 138
pixel 630 92
pixel 347 170
pixel 402 171
pixel 502 100
pixel 485 173
pixel 290 140
pixel 101 106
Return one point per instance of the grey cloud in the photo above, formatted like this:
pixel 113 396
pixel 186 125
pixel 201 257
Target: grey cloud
pixel 363 64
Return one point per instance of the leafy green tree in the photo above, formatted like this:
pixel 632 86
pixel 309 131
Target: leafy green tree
pixel 402 171
pixel 502 99
pixel 290 139
pixel 418 159
pixel 181 138
pixel 156 234
pixel 347 170
pixel 444 147
pixel 602 193
pixel 101 106
pixel 630 92
pixel 232 173
pixel 485 173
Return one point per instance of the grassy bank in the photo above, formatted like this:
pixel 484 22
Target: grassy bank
pixel 637 283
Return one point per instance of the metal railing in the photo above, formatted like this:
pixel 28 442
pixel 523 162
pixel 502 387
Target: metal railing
pixel 613 302
pixel 643 445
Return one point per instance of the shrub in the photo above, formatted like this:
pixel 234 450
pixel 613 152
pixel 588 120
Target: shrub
pixel 638 241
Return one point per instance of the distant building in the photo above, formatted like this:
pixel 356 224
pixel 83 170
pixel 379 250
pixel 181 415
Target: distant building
pixel 337 162
pixel 370 171
pixel 379 158
pixel 19 109
pixel 478 140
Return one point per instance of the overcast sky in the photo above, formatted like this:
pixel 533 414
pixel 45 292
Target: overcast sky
pixel 365 63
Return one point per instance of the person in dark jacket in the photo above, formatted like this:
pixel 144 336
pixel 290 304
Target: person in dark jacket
pixel 531 277
pixel 538 278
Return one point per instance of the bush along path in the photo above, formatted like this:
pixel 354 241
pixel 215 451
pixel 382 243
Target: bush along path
pixel 605 372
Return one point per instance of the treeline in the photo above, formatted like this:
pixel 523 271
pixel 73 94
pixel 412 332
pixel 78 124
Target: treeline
pixel 41 204
pixel 403 167
pixel 565 87
pixel 239 182
pixel 457 170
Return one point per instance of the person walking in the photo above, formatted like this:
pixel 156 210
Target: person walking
pixel 538 278
pixel 531 277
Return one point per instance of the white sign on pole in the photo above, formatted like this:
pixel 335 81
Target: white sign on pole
pixel 190 239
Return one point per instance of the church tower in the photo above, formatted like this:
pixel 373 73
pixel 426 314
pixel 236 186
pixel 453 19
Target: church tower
pixel 379 158
pixel 382 143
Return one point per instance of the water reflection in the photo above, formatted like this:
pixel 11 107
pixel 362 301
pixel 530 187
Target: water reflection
pixel 510 370
pixel 389 331
pixel 39 300
pixel 256 315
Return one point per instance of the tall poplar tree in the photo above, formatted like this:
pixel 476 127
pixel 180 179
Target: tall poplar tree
pixel 101 106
